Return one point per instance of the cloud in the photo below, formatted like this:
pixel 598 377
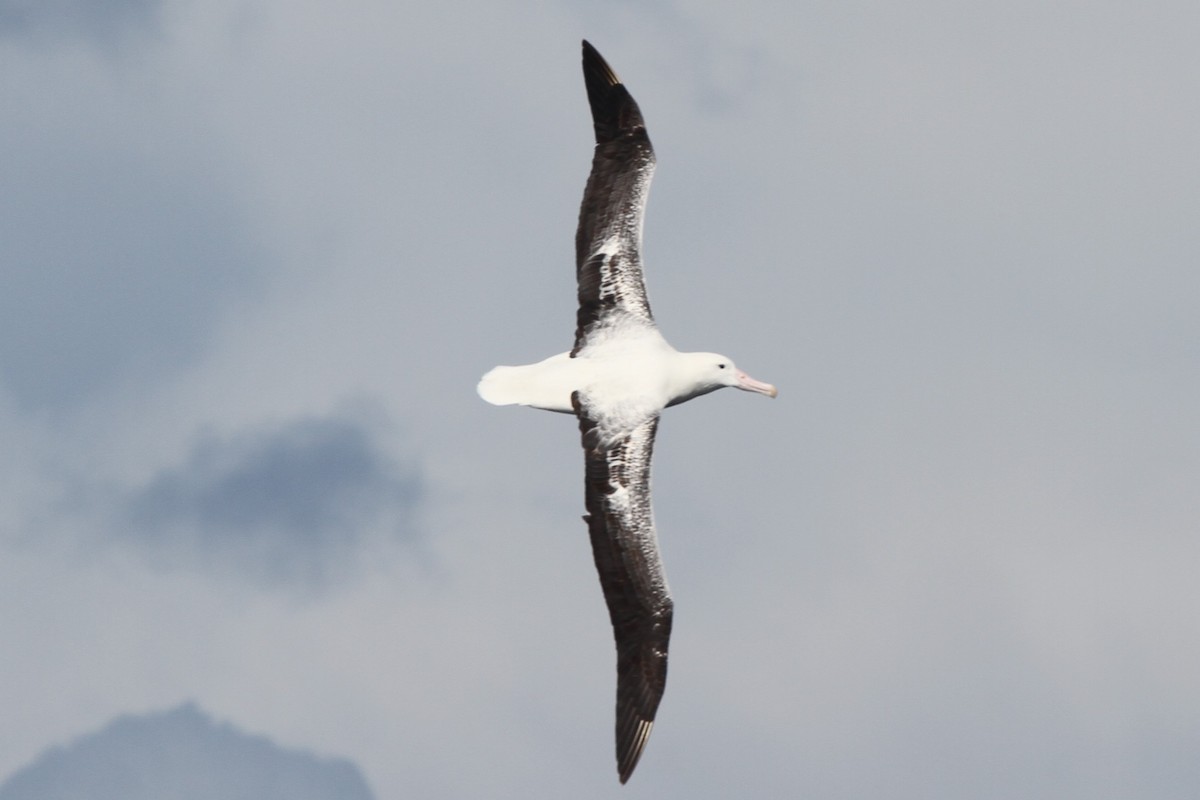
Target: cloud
pixel 125 238
pixel 124 241
pixel 102 21
pixel 114 267
pixel 294 506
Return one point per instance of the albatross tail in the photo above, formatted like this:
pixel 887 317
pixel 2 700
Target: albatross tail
pixel 547 384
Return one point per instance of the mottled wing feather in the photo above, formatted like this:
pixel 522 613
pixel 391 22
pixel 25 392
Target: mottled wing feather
pixel 621 525
pixel 608 241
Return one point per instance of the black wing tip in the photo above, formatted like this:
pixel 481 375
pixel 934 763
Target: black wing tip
pixel 594 64
pixel 629 755
pixel 614 110
pixel 637 703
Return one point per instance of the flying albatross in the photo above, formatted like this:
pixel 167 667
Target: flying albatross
pixel 617 379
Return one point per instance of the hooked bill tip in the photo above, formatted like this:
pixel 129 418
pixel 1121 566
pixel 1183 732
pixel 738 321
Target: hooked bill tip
pixel 746 383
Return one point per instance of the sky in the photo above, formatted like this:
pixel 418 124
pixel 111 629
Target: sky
pixel 255 254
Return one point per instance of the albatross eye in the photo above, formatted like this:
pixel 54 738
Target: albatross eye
pixel 720 366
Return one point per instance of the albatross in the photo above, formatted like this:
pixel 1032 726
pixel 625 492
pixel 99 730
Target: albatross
pixel 617 379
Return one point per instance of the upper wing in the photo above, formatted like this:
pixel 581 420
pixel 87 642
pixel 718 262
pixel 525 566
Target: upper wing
pixel 608 242
pixel 625 547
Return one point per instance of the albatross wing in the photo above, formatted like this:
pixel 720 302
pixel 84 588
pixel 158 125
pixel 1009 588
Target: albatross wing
pixel 617 379
pixel 608 242
pixel 625 547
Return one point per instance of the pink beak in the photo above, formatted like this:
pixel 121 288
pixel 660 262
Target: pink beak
pixel 746 383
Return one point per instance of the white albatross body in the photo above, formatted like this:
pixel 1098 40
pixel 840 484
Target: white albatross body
pixel 629 378
pixel 617 380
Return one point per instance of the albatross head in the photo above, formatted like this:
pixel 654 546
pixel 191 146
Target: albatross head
pixel 707 372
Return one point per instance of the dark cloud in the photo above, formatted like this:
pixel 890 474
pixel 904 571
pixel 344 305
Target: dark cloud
pixel 295 506
pixel 103 21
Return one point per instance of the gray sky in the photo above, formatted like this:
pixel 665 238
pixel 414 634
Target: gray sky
pixel 251 256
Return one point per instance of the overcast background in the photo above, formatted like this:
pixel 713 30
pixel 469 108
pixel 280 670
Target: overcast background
pixel 255 254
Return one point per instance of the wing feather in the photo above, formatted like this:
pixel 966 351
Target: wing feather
pixel 625 547
pixel 608 241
